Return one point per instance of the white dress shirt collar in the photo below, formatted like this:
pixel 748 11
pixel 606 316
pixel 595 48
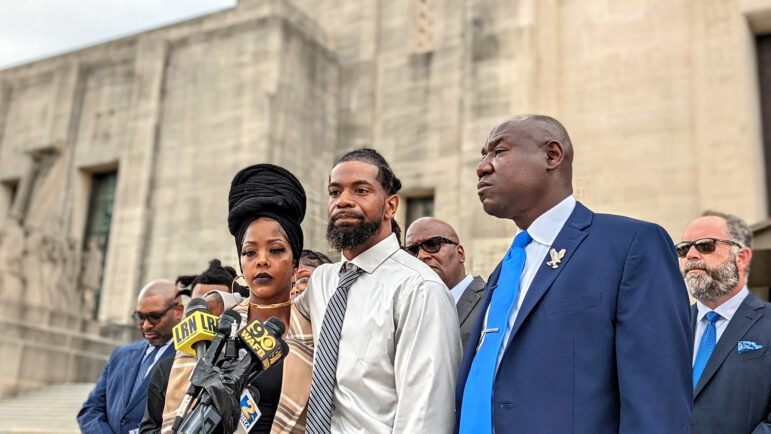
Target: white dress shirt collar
pixel 545 228
pixel 371 258
pixel 458 290
pixel 727 309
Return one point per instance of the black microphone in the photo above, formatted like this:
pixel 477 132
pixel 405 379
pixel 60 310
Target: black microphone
pixel 195 331
pixel 220 404
pixel 226 320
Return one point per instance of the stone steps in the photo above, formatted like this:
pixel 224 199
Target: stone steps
pixel 51 410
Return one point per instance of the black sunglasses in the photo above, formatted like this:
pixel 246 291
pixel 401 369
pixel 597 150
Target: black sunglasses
pixel 153 317
pixel 702 245
pixel 431 245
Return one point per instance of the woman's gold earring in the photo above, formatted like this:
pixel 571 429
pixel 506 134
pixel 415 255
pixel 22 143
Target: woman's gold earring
pixel 233 283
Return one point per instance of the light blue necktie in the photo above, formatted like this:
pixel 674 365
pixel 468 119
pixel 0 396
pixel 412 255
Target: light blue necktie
pixel 147 362
pixel 476 414
pixel 706 346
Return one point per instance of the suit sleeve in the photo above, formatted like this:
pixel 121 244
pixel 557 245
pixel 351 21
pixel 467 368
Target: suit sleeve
pixel 653 338
pixel 426 359
pixel 92 418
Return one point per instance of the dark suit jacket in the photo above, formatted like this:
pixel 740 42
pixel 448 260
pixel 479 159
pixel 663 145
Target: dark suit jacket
pixel 468 306
pixel 156 397
pixel 602 343
pixel 733 394
pixel 109 408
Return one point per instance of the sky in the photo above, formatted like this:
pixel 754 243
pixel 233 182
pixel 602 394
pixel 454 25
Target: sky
pixel 35 29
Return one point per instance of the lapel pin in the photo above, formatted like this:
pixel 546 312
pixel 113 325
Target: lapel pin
pixel 556 257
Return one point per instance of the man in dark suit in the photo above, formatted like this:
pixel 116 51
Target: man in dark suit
pixel 435 242
pixel 117 403
pixel 732 328
pixel 585 324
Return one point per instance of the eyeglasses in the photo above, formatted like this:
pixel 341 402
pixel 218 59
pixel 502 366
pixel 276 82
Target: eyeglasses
pixel 431 245
pixel 153 317
pixel 703 245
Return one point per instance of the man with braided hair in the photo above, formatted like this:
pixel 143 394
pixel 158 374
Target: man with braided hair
pixel 387 344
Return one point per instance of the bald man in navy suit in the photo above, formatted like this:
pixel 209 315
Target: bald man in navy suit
pixel 117 403
pixel 585 324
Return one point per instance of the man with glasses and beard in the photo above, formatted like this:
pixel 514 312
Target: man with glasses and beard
pixel 732 328
pixel 117 403
pixel 387 344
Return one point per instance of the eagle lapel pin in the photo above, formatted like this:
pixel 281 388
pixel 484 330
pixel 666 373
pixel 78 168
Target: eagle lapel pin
pixel 556 257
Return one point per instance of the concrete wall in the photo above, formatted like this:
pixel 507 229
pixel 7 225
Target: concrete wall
pixel 660 99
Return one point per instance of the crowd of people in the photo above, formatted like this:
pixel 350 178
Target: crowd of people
pixel 585 326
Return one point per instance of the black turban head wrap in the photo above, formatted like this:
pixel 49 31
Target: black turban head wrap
pixel 266 190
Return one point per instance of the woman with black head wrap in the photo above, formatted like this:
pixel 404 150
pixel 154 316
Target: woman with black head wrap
pixel 266 206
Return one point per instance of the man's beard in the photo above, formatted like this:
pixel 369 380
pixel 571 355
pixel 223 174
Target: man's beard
pixel 349 237
pixel 713 284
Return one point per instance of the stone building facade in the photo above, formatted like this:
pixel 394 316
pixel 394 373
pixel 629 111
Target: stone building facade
pixel 662 100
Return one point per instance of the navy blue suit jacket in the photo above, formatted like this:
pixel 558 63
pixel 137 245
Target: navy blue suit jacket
pixel 109 407
pixel 733 394
pixel 602 343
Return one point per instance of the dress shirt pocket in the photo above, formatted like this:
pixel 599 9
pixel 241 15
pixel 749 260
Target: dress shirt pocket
pixel 574 303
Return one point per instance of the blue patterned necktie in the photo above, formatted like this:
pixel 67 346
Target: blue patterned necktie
pixel 325 360
pixel 706 346
pixel 476 411
pixel 143 367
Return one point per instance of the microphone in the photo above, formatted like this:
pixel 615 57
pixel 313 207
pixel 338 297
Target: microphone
pixel 264 340
pixel 224 400
pixel 223 330
pixel 198 327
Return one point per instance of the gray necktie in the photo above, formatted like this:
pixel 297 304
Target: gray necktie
pixel 325 364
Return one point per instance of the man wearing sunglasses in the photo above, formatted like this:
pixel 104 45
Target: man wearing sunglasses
pixel 436 244
pixel 117 403
pixel 585 324
pixel 732 328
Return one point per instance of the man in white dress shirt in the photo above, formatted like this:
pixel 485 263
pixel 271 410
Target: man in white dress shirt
pixel 390 364
pixel 436 243
pixel 732 328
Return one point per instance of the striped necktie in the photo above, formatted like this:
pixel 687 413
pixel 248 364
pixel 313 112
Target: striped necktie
pixel 325 361
pixel 706 346
pixel 147 362
pixel 476 414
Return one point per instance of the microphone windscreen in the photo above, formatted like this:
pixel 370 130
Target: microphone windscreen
pixel 264 340
pixel 278 326
pixel 197 305
pixel 197 326
pixel 226 319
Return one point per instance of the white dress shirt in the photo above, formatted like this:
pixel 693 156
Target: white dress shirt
pixel 399 347
pixel 458 290
pixel 543 231
pixel 726 312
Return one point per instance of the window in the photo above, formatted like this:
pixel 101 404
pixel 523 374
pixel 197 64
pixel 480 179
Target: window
pixel 417 207
pixel 764 75
pixel 10 188
pixel 98 228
